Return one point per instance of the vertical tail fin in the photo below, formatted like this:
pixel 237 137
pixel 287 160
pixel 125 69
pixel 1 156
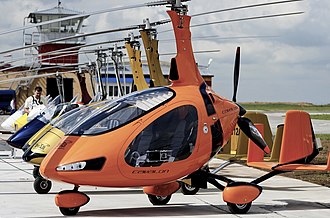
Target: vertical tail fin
pixel 298 143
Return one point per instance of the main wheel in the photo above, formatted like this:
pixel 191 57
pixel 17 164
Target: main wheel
pixel 239 208
pixel 69 211
pixel 36 173
pixel 159 200
pixel 41 185
pixel 188 189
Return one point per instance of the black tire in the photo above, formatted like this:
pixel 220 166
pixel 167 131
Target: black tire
pixel 41 185
pixel 239 208
pixel 69 211
pixel 188 189
pixel 36 173
pixel 159 200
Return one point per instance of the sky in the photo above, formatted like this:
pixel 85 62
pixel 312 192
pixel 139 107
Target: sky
pixel 283 59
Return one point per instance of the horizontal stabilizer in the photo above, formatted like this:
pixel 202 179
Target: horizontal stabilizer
pixel 298 146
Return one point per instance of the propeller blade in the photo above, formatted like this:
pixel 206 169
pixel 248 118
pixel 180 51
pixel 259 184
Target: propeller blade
pixel 242 110
pixel 236 72
pixel 252 132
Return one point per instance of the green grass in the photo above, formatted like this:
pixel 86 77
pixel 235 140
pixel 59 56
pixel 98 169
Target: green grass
pixel 265 106
pixel 320 116
pixel 323 136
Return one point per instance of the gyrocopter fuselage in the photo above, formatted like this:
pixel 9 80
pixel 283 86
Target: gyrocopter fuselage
pixel 153 138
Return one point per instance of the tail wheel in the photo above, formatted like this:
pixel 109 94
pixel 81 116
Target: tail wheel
pixel 239 208
pixel 41 185
pixel 69 211
pixel 159 200
pixel 188 189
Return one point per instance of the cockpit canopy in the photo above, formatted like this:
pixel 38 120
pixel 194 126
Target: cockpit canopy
pixel 122 110
pixel 70 119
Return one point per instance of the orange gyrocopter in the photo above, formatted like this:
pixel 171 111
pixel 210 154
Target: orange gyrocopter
pixel 161 137
pixel 155 137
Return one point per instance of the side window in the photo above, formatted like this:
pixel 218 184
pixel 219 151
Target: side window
pixel 169 138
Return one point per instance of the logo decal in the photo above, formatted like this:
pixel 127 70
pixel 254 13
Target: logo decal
pixel 150 171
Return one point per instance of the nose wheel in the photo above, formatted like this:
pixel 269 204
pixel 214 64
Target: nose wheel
pixel 159 200
pixel 41 185
pixel 188 189
pixel 238 195
pixel 239 208
pixel 70 201
pixel 69 211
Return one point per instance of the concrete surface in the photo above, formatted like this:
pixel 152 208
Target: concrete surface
pixel 281 197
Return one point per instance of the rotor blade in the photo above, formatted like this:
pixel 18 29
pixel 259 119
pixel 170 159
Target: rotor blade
pixel 244 7
pixel 85 35
pixel 250 18
pixel 41 61
pixel 68 49
pixel 55 52
pixel 241 19
pixel 41 68
pixel 195 52
pixel 71 37
pixel 61 50
pixel 35 76
pixel 236 72
pixel 217 37
pixel 120 8
pixel 252 132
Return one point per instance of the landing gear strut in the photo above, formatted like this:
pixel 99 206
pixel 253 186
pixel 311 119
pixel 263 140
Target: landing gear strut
pixel 36 173
pixel 238 195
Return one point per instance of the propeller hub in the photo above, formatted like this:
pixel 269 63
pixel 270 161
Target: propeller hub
pixel 242 110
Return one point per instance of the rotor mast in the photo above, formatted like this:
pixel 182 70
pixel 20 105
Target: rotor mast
pixel 134 54
pixel 150 42
pixel 184 70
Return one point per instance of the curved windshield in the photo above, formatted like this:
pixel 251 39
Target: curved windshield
pixel 123 110
pixel 73 117
pixel 54 121
pixel 48 112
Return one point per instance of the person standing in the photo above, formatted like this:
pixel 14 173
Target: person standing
pixel 34 100
pixel 12 105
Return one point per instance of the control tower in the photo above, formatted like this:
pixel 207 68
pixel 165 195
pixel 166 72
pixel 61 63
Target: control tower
pixel 57 30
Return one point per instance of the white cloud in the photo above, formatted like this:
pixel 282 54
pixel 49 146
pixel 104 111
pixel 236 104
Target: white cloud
pixel 293 65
